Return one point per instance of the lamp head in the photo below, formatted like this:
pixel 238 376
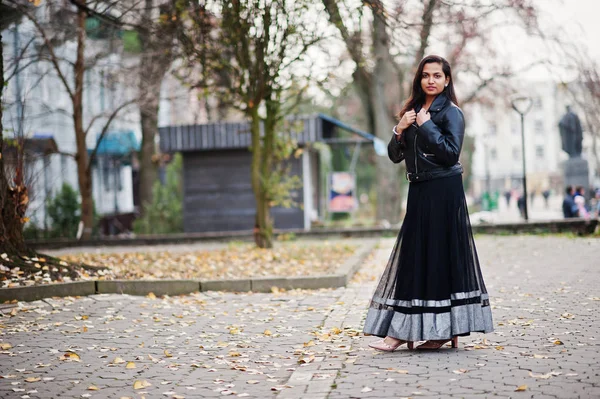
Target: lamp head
pixel 521 103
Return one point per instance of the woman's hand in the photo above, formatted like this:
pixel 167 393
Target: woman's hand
pixel 407 119
pixel 422 117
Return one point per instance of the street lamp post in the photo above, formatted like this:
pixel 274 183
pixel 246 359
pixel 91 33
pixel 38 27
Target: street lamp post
pixel 522 104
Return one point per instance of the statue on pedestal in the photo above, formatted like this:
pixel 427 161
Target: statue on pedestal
pixel 576 168
pixel 571 133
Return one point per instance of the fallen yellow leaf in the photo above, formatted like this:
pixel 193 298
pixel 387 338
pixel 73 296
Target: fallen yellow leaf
pixel 93 388
pixel 397 371
pixel 140 384
pixel 118 360
pixel 167 353
pixel 268 333
pixel 33 379
pixel 72 356
pixel 521 388
pixel 306 360
pixel 151 295
pixel 130 365
pixel 5 345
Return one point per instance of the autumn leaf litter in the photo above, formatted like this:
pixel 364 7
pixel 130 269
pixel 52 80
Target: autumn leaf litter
pixel 233 262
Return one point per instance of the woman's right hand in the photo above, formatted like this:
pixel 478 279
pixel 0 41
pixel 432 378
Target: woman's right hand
pixel 407 119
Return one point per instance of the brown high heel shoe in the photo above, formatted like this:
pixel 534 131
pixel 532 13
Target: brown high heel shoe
pixel 437 344
pixel 383 346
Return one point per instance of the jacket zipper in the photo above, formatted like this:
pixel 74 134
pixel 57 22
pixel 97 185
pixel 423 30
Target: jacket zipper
pixel 416 154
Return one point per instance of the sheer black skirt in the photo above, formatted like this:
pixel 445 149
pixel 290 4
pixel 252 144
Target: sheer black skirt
pixel 432 287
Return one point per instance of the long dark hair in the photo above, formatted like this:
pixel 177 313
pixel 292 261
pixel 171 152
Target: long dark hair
pixel 417 95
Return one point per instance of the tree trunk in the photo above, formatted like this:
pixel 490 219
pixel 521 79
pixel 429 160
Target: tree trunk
pixel 148 166
pixel 11 220
pixel 388 179
pixel 150 83
pixel 263 230
pixel 84 175
pixel 154 63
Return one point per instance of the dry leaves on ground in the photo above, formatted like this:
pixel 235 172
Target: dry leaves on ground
pixel 236 261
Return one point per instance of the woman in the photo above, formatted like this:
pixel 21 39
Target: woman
pixel 432 289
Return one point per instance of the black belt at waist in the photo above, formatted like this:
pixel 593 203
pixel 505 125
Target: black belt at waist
pixel 434 174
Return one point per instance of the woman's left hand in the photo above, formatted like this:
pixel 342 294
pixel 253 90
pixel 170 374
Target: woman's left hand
pixel 422 117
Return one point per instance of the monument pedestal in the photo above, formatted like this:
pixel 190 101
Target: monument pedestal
pixel 576 172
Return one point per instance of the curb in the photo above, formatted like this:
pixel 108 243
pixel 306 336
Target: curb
pixel 144 287
pixel 180 287
pixel 34 293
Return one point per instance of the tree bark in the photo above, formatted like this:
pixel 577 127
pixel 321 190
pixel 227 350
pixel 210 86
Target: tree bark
pixel 84 171
pixel 388 179
pixel 11 212
pixel 263 229
pixel 154 63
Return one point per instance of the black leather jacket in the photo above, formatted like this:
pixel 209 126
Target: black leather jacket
pixel 431 150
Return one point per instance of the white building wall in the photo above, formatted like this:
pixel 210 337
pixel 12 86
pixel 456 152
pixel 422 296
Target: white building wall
pixel 47 109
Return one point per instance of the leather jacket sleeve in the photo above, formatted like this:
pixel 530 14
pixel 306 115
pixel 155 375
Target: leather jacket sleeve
pixel 396 149
pixel 445 142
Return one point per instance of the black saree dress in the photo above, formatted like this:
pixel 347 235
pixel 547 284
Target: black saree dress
pixel 432 287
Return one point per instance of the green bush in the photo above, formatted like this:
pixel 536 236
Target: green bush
pixel 165 214
pixel 63 211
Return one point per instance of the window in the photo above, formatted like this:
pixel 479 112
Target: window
pixel 493 154
pixel 539 127
pixel 515 129
pixel 537 103
pixel 516 153
pixel 539 151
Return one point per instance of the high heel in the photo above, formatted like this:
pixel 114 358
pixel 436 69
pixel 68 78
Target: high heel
pixel 437 344
pixel 383 346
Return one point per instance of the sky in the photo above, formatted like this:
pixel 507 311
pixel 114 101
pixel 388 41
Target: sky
pixel 581 17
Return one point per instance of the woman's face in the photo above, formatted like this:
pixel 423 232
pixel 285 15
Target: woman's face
pixel 433 79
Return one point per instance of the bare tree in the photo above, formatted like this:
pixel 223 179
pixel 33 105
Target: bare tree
pixel 13 200
pixel 254 47
pixel 53 34
pixel 156 37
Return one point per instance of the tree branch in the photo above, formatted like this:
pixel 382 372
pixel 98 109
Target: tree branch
pixel 48 45
pixel 105 130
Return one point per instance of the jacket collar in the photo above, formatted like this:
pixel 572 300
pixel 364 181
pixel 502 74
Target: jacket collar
pixel 438 103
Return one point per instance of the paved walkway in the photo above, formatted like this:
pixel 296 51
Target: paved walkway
pixel 306 344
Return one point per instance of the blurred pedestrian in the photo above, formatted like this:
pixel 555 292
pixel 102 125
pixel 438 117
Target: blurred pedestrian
pixel 546 195
pixel 432 288
pixel 521 205
pixel 507 195
pixel 569 207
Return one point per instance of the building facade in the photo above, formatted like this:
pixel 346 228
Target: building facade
pixel 498 157
pixel 36 105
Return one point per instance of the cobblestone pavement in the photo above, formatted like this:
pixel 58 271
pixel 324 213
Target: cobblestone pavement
pixel 306 344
